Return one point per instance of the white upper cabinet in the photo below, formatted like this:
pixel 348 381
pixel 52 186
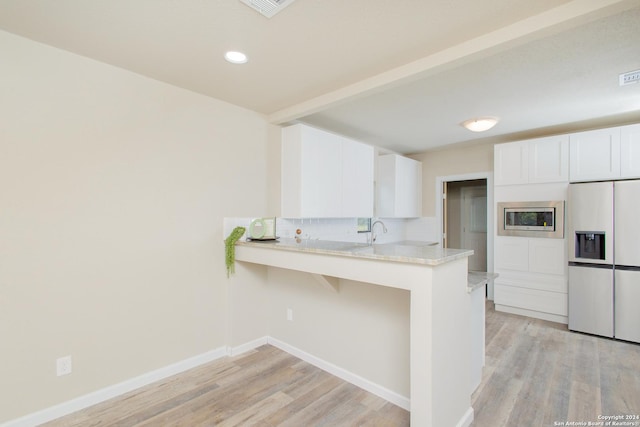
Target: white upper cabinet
pixel 534 161
pixel 399 187
pixel 549 159
pixel 511 163
pixel 595 155
pixel 325 175
pixel 357 179
pixel 630 151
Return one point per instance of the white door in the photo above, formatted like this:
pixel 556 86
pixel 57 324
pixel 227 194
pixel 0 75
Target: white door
pixel 474 226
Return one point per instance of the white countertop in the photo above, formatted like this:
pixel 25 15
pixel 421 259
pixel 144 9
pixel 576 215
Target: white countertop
pixel 405 251
pixel 477 279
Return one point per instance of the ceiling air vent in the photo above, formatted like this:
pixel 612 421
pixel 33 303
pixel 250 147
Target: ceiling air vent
pixel 268 7
pixel 630 77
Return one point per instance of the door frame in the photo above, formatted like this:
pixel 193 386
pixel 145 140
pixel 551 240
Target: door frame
pixel 440 180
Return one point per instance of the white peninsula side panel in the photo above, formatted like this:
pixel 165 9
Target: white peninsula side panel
pixel 440 319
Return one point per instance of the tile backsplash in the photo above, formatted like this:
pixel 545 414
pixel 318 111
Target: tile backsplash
pixel 345 229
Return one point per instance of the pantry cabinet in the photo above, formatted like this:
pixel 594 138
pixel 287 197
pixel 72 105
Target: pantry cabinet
pixel 536 161
pixel 532 277
pixel 399 187
pixel 324 175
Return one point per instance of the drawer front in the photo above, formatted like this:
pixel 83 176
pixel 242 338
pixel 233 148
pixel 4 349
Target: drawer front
pixel 531 299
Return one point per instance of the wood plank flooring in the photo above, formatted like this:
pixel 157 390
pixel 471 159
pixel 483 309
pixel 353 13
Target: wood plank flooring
pixel 536 373
pixel 263 387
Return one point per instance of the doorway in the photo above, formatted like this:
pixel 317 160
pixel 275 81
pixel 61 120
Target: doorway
pixel 465 219
pixel 442 184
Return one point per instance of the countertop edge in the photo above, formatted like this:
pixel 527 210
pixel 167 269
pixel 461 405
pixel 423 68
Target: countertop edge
pixel 349 249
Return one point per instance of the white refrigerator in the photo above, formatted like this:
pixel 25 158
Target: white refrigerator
pixel 604 258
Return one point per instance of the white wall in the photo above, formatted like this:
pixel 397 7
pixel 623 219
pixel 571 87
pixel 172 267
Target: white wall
pixel 458 160
pixel 112 189
pixel 362 328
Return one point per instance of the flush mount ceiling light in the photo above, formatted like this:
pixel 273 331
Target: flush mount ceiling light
pixel 480 124
pixel 235 57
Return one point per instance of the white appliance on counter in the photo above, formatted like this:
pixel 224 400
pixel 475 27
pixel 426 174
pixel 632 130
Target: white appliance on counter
pixel 604 258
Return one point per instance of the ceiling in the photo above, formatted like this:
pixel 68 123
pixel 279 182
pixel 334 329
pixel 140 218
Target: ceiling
pixel 398 74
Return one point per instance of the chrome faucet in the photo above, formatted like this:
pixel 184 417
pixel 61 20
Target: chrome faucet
pixel 373 231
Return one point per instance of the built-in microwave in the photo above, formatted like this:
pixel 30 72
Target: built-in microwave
pixel 531 219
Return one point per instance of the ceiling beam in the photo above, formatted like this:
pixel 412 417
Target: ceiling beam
pixel 571 14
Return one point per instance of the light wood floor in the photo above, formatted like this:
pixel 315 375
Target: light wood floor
pixel 536 373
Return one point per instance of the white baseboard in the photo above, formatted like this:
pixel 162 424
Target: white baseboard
pixel 242 348
pixel 531 313
pixel 115 390
pixel 466 419
pixel 341 373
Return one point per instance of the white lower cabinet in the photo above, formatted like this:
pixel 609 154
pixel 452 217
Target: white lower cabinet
pixel 532 277
pixel 532 302
pixel 547 256
pixel 512 253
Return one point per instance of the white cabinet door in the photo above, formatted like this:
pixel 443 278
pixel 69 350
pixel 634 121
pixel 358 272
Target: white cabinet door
pixel 512 253
pixel 325 175
pixel 321 177
pixel 511 164
pixel 408 187
pixel 549 159
pixel 399 187
pixel 357 179
pixel 547 256
pixel 311 173
pixel 630 151
pixel 594 155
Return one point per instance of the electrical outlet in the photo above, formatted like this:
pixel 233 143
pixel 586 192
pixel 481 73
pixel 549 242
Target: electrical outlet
pixel 63 366
pixel 289 314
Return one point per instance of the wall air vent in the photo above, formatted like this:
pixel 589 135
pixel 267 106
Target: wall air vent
pixel 630 77
pixel 267 7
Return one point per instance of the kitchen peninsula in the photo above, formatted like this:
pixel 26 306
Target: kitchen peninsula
pixel 436 278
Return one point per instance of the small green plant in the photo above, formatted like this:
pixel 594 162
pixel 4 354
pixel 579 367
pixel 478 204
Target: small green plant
pixel 230 248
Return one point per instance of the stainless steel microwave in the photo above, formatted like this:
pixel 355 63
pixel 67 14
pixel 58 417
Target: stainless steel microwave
pixel 531 219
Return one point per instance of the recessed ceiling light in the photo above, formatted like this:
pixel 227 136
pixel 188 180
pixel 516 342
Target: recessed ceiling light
pixel 480 124
pixel 235 57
